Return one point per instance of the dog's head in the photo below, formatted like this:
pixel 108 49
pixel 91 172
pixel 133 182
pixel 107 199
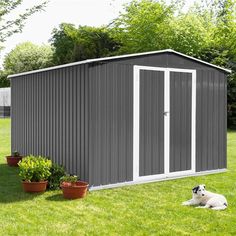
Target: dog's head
pixel 199 190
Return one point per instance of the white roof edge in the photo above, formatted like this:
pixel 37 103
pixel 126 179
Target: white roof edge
pixel 204 62
pixel 117 57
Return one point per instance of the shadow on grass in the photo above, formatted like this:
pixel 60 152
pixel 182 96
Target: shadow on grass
pixel 10 186
pixel 57 198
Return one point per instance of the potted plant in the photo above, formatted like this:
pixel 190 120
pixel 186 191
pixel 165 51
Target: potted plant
pixel 14 159
pixel 34 171
pixel 72 188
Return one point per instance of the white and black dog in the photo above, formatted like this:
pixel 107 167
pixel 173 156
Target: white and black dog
pixel 206 199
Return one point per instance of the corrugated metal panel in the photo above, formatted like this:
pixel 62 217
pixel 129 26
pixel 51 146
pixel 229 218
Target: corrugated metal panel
pixel 50 119
pixel 180 121
pixel 151 123
pixel 110 124
pixel 211 120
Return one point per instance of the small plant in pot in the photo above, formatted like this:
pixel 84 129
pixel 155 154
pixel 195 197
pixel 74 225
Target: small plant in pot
pixel 34 171
pixel 14 159
pixel 72 188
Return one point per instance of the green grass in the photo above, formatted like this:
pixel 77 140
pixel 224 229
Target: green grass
pixel 148 209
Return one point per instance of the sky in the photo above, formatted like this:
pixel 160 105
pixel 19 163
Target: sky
pixel 38 27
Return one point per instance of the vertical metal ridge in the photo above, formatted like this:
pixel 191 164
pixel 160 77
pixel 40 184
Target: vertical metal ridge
pixel 86 68
pixel 224 156
pixel 74 157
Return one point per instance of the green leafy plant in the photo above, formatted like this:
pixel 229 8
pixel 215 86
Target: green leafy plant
pixel 57 172
pixel 69 179
pixel 15 154
pixel 35 168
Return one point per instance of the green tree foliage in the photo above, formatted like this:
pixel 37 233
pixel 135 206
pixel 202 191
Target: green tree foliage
pixel 63 43
pixel 76 44
pixel 153 25
pixel 10 26
pixel 28 56
pixel 143 26
pixel 4 81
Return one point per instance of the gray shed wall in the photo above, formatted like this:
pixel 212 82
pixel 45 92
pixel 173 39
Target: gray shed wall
pixel 50 116
pixel 82 116
pixel 110 119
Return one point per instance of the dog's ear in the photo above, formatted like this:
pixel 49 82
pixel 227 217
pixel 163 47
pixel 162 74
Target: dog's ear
pixel 195 189
pixel 204 186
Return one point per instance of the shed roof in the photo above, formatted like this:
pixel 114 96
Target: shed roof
pixel 120 57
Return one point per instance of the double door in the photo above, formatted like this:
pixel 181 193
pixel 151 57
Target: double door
pixel 163 122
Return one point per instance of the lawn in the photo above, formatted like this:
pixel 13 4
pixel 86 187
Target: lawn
pixel 148 209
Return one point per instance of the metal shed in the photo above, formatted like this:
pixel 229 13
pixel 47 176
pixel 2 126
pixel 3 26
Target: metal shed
pixel 125 119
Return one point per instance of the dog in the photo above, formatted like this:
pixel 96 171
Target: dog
pixel 206 199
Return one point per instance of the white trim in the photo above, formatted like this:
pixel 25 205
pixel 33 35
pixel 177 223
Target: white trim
pixel 150 68
pixel 209 172
pixel 118 57
pixel 136 123
pixel 203 62
pixel 167 122
pixel 181 70
pixel 193 128
pixel 180 173
pixel 136 117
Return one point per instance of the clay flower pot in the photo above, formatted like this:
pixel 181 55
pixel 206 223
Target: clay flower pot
pixel 13 160
pixel 74 190
pixel 34 187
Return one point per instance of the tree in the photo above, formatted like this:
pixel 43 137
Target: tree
pixel 144 26
pixel 28 56
pixel 76 44
pixel 191 33
pixel 225 39
pixel 148 25
pixel 12 26
pixel 4 81
pixel 63 44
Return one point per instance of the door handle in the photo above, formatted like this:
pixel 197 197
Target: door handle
pixel 165 113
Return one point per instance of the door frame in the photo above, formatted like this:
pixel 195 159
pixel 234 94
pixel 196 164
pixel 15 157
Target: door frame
pixel 136 118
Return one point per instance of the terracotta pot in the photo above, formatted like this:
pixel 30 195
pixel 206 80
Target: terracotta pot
pixel 34 187
pixel 13 161
pixel 73 191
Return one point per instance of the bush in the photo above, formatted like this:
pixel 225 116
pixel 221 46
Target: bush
pixel 57 172
pixel 35 168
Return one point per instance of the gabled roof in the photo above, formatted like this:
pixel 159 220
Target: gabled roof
pixel 120 57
